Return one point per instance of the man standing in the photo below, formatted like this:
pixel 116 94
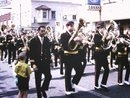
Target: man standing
pixel 40 59
pixel 71 59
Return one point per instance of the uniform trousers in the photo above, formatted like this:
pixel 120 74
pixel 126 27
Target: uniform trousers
pixel 72 62
pixel 123 61
pixel 43 69
pixel 101 61
pixel 97 73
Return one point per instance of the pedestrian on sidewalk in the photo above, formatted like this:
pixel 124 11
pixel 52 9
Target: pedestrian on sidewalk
pixel 23 72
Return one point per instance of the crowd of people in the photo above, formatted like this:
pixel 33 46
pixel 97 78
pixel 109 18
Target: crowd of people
pixel 74 49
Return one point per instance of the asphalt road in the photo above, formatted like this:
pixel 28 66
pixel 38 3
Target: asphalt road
pixel 8 88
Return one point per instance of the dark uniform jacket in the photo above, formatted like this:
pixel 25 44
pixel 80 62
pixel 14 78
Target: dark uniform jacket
pixel 65 37
pixel 64 41
pixel 100 55
pixel 10 44
pixel 2 43
pixel 122 53
pixel 35 51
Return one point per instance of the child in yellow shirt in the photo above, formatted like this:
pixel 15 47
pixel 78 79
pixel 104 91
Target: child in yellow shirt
pixel 23 72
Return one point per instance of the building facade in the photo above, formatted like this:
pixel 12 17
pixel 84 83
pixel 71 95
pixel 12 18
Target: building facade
pixel 53 13
pixel 29 14
pixel 33 13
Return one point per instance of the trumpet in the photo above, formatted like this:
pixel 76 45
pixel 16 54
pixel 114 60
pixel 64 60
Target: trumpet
pixel 82 23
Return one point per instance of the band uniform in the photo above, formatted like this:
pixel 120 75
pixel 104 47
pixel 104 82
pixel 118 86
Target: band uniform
pixel 100 56
pixel 71 60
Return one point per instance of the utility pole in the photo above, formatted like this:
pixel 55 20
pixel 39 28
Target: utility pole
pixel 20 16
pixel 100 14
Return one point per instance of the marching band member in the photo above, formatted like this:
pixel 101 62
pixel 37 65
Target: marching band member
pixel 3 44
pixel 90 44
pixel 11 48
pixel 100 56
pixel 71 59
pixel 122 60
pixel 21 44
pixel 113 31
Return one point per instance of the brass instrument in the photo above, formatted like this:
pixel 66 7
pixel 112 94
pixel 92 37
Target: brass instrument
pixel 126 41
pixel 82 23
pixel 48 29
pixel 113 27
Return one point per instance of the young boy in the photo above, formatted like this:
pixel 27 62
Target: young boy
pixel 23 72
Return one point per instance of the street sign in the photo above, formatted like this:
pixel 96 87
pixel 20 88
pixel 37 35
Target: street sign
pixel 93 2
pixel 94 5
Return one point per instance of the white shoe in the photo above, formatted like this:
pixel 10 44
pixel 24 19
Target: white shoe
pixel 115 66
pixel 92 62
pixel 68 92
pixel 112 68
pixel 89 63
pixel 127 82
pixel 120 84
pixel 10 65
pixel 97 87
pixel 103 85
pixel 79 88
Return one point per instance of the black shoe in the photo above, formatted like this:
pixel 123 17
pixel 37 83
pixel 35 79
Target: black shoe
pixel 44 93
pixel 104 88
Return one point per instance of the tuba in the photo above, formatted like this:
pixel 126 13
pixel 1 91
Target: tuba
pixel 82 23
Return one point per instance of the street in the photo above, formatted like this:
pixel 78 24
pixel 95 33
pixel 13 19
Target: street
pixel 8 88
